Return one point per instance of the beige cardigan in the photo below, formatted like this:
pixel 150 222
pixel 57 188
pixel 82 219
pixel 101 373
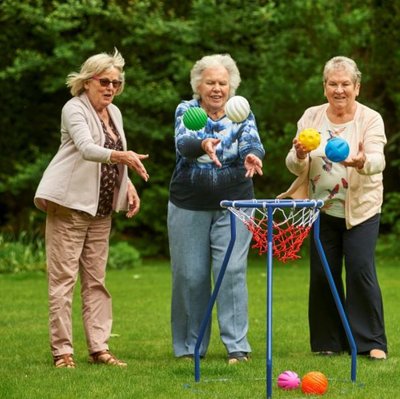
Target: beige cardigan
pixel 72 178
pixel 365 193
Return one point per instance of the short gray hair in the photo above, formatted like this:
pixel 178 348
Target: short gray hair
pixel 95 65
pixel 215 60
pixel 341 62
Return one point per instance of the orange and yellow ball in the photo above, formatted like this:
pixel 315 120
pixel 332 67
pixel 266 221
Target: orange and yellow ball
pixel 314 383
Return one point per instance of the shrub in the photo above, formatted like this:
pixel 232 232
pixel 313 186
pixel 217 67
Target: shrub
pixel 122 255
pixel 23 254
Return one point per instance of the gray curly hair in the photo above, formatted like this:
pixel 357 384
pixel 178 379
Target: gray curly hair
pixel 95 65
pixel 341 62
pixel 215 60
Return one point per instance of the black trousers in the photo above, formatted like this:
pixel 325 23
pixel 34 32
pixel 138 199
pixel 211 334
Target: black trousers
pixel 361 295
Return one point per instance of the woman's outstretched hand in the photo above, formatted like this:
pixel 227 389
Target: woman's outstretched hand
pixel 132 160
pixel 209 146
pixel 301 151
pixel 359 160
pixel 253 165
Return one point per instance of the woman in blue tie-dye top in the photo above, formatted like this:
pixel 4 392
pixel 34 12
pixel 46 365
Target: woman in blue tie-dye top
pixel 213 164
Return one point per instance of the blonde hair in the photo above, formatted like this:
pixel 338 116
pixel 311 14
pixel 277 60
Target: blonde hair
pixel 215 60
pixel 345 63
pixel 95 65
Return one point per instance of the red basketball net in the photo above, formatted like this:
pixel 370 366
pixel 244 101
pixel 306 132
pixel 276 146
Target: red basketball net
pixel 290 227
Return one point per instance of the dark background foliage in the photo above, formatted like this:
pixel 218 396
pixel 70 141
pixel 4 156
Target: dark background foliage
pixel 279 46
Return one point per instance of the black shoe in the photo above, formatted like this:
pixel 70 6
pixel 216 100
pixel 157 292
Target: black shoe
pixel 238 357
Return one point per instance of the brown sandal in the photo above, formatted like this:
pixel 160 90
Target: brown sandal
pixel 106 357
pixel 64 361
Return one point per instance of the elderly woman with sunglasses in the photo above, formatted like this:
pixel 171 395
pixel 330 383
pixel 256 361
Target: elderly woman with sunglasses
pixel 84 183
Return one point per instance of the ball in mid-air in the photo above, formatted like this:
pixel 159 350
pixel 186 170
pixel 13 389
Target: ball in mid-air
pixel 288 380
pixel 337 149
pixel 195 118
pixel 314 383
pixel 309 139
pixel 237 109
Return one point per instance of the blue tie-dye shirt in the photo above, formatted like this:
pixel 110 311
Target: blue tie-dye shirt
pixel 197 183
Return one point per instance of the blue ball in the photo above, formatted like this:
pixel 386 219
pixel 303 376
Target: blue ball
pixel 337 149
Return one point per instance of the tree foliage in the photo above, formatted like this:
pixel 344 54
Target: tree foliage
pixel 279 46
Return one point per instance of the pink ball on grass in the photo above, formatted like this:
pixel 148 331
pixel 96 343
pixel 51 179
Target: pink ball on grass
pixel 288 380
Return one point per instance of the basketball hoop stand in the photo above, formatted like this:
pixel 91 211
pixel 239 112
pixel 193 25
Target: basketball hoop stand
pixel 270 205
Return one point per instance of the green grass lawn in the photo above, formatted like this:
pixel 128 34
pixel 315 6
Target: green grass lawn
pixel 141 336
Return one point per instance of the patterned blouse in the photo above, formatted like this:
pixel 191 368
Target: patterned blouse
pixel 328 180
pixel 109 173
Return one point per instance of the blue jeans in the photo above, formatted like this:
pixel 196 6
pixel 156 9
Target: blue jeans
pixel 198 241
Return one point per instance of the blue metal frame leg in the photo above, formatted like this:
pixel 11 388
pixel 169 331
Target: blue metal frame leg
pixel 343 317
pixel 269 303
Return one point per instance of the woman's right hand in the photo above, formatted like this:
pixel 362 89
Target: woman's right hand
pixel 132 160
pixel 301 151
pixel 209 146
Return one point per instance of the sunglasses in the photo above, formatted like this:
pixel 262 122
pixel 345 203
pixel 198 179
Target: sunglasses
pixel 104 82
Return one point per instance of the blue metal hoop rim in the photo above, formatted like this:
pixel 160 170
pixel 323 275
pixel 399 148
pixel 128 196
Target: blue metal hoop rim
pixel 273 203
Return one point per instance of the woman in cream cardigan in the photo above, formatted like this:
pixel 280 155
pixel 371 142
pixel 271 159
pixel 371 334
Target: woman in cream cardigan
pixel 84 183
pixel 352 191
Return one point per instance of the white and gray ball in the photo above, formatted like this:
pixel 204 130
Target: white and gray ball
pixel 237 109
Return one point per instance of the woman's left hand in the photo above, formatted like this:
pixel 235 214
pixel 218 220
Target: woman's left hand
pixel 359 160
pixel 253 165
pixel 133 200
